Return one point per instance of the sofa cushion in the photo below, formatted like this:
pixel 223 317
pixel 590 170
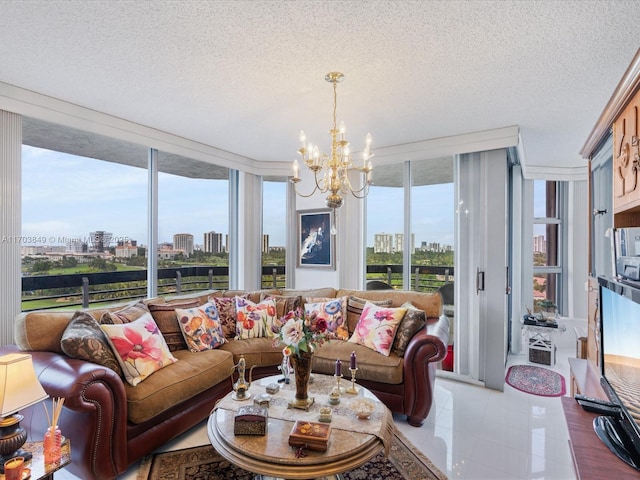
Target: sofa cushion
pixel 165 317
pixel 192 374
pixel 371 365
pixel 377 327
pixel 354 309
pixel 254 295
pixel 326 292
pixel 84 339
pixel 412 322
pixel 430 303
pixel 41 330
pixel 201 327
pixel 256 351
pixel 139 347
pixel 127 314
pixel 254 320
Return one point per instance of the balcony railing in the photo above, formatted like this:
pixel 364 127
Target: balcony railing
pixel 94 289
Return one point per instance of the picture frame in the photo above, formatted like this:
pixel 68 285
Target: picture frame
pixel 316 245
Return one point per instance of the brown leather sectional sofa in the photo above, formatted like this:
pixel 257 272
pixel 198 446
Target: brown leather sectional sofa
pixel 111 424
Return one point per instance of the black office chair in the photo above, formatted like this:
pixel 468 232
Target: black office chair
pixel 446 292
pixel 378 285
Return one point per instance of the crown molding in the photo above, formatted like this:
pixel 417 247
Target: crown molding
pixel 447 146
pixel 32 104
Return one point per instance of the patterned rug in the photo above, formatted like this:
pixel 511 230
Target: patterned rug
pixel 536 380
pixel 204 463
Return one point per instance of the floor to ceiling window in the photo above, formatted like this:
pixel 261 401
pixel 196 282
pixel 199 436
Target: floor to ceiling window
pixel 274 232
pixel 193 224
pixel 547 241
pixel 80 215
pixel 385 226
pixel 417 255
pixel 432 220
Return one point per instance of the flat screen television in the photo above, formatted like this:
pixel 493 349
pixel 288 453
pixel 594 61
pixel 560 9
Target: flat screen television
pixel 620 368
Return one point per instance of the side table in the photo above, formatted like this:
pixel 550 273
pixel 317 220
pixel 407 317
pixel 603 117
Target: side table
pixel 541 342
pixel 40 470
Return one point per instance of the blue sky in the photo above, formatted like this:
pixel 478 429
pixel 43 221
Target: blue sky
pixel 66 196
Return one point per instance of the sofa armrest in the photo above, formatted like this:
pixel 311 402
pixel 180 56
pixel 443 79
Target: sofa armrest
pixel 425 349
pixel 94 416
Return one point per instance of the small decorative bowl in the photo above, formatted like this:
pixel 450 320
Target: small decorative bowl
pixel 362 407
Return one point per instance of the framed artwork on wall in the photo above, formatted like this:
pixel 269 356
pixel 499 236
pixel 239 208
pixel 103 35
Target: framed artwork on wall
pixel 316 248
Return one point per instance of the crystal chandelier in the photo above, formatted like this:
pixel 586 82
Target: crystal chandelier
pixel 331 172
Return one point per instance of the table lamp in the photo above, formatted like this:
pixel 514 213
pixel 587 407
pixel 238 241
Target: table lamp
pixel 19 389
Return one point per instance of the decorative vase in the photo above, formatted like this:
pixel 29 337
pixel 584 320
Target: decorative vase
pixel 52 444
pixel 302 372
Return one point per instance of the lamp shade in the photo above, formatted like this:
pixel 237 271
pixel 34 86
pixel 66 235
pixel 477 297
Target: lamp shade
pixel 19 386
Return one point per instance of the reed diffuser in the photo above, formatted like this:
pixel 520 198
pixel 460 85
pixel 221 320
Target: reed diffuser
pixel 53 435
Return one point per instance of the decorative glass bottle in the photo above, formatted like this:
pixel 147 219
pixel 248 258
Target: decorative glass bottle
pixel 52 444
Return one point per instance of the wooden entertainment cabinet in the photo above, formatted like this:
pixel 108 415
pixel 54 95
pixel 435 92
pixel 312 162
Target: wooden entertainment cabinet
pixel 591 458
pixel 613 152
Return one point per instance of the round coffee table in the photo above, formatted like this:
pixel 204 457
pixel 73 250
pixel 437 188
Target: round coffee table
pixel 352 442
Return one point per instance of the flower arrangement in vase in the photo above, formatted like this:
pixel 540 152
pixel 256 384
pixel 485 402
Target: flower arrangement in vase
pixel 301 334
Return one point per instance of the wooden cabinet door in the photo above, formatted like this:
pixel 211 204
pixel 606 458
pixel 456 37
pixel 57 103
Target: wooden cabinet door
pixel 626 159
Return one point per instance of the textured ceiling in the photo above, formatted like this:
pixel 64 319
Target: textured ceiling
pixel 246 76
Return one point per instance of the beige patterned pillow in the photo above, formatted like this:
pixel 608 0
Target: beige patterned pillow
pixel 354 310
pixel 167 320
pixel 227 313
pixel 284 304
pixel 414 320
pixel 125 315
pixel 84 339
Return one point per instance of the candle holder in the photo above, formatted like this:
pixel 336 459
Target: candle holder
pixel 337 389
pixel 353 390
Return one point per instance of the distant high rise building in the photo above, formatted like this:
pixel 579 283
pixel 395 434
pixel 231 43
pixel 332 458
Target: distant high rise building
pixel 539 244
pixel 213 242
pixel 184 242
pixel 382 243
pixel 100 240
pixel 265 243
pixel 76 246
pixel 390 243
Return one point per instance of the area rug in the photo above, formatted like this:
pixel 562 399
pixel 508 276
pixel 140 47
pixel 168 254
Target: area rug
pixel 536 380
pixel 204 463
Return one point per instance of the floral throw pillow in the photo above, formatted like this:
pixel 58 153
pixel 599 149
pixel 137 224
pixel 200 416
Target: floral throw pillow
pixel 255 320
pixel 354 309
pixel 139 348
pixel 377 327
pixel 201 327
pixel 332 311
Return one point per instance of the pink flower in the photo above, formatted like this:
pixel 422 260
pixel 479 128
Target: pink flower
pixel 133 346
pixel 382 315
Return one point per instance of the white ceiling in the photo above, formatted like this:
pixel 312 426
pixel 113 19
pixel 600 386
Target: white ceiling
pixel 246 76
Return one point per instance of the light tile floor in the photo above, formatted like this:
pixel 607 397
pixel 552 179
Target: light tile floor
pixel 473 433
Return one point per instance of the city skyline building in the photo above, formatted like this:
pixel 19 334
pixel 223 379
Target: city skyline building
pixel 212 242
pixel 100 240
pixel 184 242
pixel 391 243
